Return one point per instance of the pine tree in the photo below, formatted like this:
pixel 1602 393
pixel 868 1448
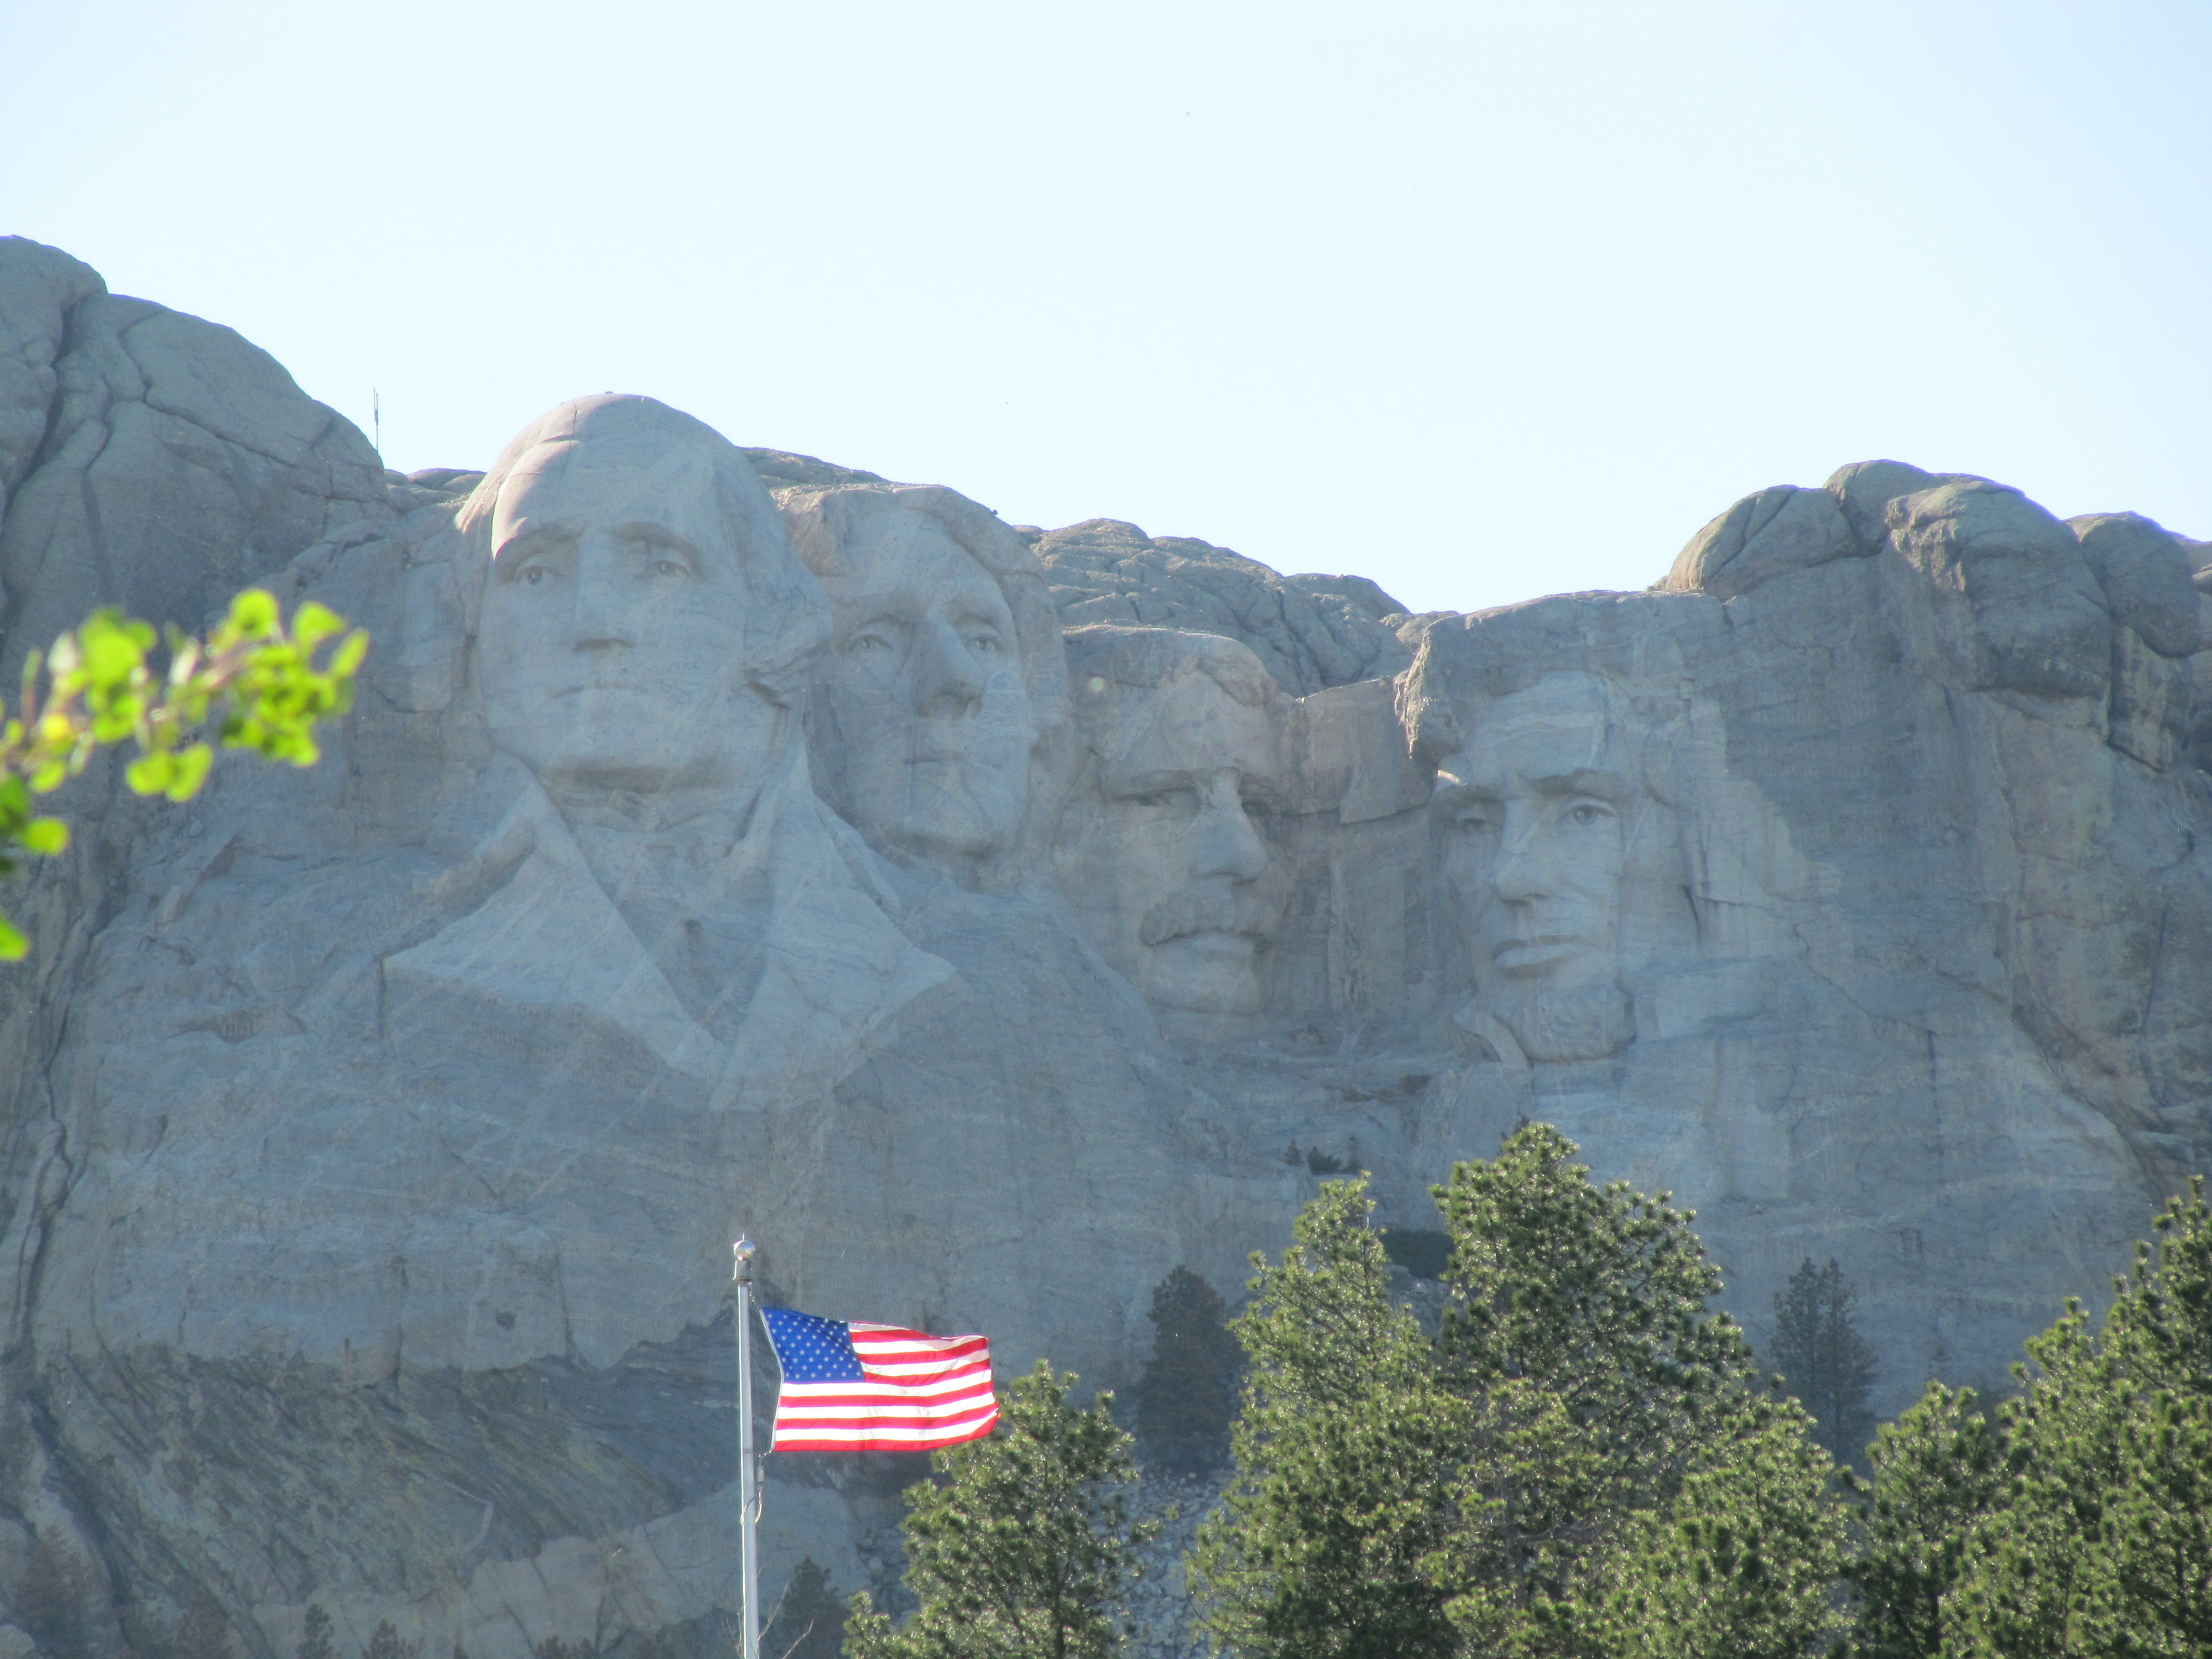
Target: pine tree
pixel 1186 1398
pixel 1823 1359
pixel 1938 1471
pixel 54 1601
pixel 1343 1449
pixel 810 1619
pixel 384 1643
pixel 2101 1544
pixel 1629 1456
pixel 203 1633
pixel 1022 1546
pixel 1585 1462
pixel 1741 1562
pixel 315 1641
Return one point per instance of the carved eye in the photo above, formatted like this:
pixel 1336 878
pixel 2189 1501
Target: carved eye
pixel 534 575
pixel 1471 823
pixel 869 642
pixel 668 568
pixel 985 645
pixel 1183 802
pixel 1585 814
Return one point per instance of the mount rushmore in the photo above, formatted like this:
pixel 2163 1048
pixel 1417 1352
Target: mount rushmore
pixel 982 915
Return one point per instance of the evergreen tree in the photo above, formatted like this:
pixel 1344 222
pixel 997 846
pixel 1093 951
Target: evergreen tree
pixel 54 1601
pixel 1741 1562
pixel 1344 1449
pixel 1823 1359
pixel 1022 1546
pixel 810 1619
pixel 1631 1467
pixel 315 1641
pixel 1186 1398
pixel 203 1633
pixel 2101 1545
pixel 1583 1462
pixel 1937 1471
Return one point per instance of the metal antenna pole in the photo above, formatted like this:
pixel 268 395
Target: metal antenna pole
pixel 748 1497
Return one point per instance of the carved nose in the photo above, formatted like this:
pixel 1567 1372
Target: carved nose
pixel 602 620
pixel 1522 870
pixel 947 683
pixel 1228 844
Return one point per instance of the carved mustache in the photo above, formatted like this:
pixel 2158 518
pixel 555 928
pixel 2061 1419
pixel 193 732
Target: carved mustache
pixel 1181 914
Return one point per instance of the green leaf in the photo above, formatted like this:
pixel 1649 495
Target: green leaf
pixel 14 947
pixel 46 837
pixel 110 653
pixel 192 770
pixel 254 613
pixel 314 623
pixel 118 718
pixel 152 774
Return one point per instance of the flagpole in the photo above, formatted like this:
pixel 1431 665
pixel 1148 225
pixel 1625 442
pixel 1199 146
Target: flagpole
pixel 748 1481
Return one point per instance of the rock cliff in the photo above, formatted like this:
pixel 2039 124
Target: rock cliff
pixel 979 914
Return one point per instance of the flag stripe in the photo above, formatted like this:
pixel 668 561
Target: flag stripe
pixel 855 1422
pixel 802 1417
pixel 935 1441
pixel 888 1341
pixel 810 1396
pixel 862 1434
pixel 831 1396
pixel 821 1421
pixel 968 1377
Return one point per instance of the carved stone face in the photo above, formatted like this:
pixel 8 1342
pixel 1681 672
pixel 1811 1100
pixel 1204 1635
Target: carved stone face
pixel 1167 867
pixel 610 644
pixel 1536 811
pixel 924 694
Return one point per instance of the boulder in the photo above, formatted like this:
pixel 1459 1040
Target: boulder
pixel 1310 631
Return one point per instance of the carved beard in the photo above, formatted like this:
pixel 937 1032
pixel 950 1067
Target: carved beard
pixel 1555 1024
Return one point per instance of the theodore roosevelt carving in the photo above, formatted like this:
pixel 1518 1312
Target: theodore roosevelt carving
pixel 1159 849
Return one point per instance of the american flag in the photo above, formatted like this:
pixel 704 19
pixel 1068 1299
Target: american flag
pixel 851 1387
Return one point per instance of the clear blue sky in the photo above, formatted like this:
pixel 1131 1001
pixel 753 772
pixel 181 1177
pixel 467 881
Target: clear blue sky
pixel 1485 301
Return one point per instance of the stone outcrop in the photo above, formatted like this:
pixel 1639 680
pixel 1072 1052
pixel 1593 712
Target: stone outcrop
pixel 1310 631
pixel 989 920
pixel 149 458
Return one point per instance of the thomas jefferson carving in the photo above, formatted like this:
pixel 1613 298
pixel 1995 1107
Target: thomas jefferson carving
pixel 944 677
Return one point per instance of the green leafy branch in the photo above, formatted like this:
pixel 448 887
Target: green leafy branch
pixel 252 685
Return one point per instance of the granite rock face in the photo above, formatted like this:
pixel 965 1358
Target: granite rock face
pixel 1310 631
pixel 989 920
pixel 150 459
